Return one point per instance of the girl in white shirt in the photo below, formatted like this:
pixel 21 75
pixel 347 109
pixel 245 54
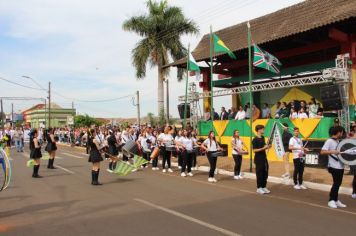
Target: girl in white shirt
pixel 237 151
pixel 186 142
pixel 166 140
pixel 211 147
pixel 302 114
pixel 293 114
pixel 179 151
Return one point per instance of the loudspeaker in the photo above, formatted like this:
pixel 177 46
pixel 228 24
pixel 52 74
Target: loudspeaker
pixel 331 97
pixel 181 110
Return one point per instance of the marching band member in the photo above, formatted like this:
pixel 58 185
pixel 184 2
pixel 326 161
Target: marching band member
pixel 335 166
pixel 237 148
pixel 112 150
pixel 179 151
pixel 125 138
pixel 166 140
pixel 35 153
pixel 94 156
pixel 259 148
pixel 154 145
pixel 186 142
pixel 194 154
pixel 51 148
pixel 143 142
pixel 286 136
pixel 211 147
pixel 298 150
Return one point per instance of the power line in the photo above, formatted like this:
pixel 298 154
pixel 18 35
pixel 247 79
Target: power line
pixel 25 86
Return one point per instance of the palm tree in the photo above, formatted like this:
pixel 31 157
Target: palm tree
pixel 161 30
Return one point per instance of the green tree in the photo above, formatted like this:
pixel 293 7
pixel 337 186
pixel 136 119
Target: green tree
pixel 161 30
pixel 151 119
pixel 85 121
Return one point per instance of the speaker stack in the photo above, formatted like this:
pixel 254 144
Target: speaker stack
pixel 331 97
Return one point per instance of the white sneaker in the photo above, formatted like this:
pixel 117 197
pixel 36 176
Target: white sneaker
pixel 332 204
pixel 215 180
pixel 190 174
pixel 179 167
pixel 260 191
pixel 153 168
pixel 183 174
pixel 236 177
pixel 157 168
pixel 340 204
pixel 266 190
pixel 170 170
pixel 241 177
pixel 210 180
pixel 285 175
pixel 134 170
pixel 303 187
pixel 353 195
pixel 164 170
pixel 297 187
pixel 110 171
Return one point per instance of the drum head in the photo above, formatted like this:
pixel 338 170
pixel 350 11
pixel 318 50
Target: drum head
pixel 347 158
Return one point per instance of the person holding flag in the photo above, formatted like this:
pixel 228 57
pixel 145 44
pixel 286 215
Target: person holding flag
pixel 237 150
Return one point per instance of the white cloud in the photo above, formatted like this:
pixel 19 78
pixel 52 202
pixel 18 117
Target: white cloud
pixel 80 46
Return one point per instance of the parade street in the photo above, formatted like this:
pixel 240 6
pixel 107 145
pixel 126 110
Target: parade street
pixel 65 203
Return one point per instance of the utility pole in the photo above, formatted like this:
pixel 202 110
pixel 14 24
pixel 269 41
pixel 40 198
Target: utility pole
pixel 49 104
pixel 138 108
pixel 12 115
pixel 167 98
pixel 2 115
pixel 45 113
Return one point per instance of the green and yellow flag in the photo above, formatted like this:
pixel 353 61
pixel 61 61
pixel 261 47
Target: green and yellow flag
pixel 219 46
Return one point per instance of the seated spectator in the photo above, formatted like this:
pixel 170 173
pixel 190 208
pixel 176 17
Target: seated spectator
pixel 278 108
pixel 302 114
pixel 266 111
pixel 293 114
pixel 283 112
pixel 216 115
pixel 241 114
pixel 233 113
pixel 320 115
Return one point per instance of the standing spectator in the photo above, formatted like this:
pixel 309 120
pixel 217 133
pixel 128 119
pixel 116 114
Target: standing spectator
pixel 286 136
pixel 18 136
pixel 247 109
pixel 278 108
pixel 241 114
pixel 266 111
pixel 232 113
pixel 223 115
pixel 313 108
pixel 302 114
pixel 283 112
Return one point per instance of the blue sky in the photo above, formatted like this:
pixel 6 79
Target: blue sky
pixel 80 47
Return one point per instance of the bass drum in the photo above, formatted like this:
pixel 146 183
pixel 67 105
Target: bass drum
pixel 130 147
pixel 347 149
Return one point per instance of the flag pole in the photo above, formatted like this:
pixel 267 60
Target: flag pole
pixel 186 90
pixel 211 75
pixel 250 87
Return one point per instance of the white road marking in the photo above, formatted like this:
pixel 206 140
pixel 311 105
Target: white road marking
pixel 71 155
pixel 66 170
pixel 188 218
pixel 268 196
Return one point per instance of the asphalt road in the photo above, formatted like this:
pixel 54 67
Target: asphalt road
pixel 155 203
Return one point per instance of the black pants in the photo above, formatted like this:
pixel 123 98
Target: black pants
pixel 261 172
pixel 166 158
pixel 298 171
pixel 155 162
pixel 187 161
pixel 212 161
pixel 337 175
pixel 146 156
pixel 194 159
pixel 180 158
pixel 238 162
pixel 354 184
